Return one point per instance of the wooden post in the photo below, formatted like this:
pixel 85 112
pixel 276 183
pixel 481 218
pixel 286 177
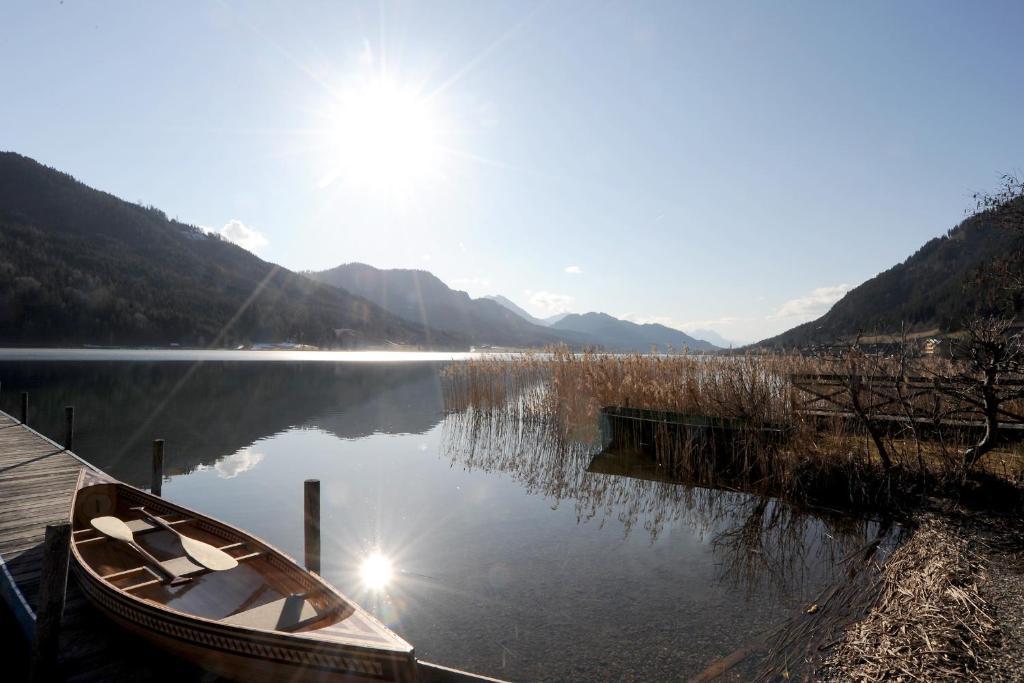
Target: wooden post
pixel 311 506
pixel 24 407
pixel 50 605
pixel 156 483
pixel 69 427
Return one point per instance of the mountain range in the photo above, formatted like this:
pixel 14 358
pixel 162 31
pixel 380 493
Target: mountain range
pixel 81 266
pixel 420 297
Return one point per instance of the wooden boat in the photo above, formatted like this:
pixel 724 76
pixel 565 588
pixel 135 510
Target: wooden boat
pixel 268 619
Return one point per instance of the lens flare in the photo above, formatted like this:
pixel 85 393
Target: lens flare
pixel 376 571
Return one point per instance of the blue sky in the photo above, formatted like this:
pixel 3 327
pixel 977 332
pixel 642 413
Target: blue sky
pixel 727 165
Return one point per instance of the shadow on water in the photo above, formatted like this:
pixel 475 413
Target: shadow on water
pixel 207 411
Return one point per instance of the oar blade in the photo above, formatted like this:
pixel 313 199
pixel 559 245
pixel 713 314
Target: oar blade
pixel 112 527
pixel 205 554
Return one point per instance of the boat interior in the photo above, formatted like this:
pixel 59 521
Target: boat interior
pixel 265 591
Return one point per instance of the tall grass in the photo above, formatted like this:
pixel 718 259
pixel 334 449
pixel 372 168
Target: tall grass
pixel 820 460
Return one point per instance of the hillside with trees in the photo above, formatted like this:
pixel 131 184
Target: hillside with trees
pixel 948 282
pixel 80 266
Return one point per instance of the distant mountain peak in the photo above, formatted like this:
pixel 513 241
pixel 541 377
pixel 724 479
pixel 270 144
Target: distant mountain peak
pixel 625 335
pixel 712 337
pixel 510 305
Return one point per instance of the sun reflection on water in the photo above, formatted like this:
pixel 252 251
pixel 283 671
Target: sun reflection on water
pixel 376 571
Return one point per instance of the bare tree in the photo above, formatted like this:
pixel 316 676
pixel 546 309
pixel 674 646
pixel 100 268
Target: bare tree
pixel 856 360
pixel 992 352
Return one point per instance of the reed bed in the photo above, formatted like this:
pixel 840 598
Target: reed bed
pixel 821 461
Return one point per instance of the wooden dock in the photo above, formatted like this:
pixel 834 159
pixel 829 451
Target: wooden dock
pixel 37 480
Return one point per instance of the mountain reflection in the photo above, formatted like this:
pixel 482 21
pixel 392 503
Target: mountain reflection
pixel 211 414
pixel 760 544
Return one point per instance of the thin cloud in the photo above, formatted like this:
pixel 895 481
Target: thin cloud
pixel 574 270
pixel 812 305
pixel 550 302
pixel 246 237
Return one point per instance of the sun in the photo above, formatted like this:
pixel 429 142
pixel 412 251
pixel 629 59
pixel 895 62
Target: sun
pixel 384 138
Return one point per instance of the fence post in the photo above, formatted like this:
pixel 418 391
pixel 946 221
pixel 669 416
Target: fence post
pixel 69 427
pixel 156 483
pixel 50 605
pixel 311 526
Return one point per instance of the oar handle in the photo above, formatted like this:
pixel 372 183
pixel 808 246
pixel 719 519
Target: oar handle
pixel 156 519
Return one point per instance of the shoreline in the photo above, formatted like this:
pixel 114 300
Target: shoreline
pixel 197 355
pixel 944 604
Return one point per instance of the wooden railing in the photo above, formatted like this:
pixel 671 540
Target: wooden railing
pixel 928 400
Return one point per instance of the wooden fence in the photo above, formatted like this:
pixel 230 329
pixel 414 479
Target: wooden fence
pixel 926 401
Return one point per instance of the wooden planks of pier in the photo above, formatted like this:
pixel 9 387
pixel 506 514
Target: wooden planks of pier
pixel 37 479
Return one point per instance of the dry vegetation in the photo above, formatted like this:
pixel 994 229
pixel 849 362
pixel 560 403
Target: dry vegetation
pixel 928 622
pixel 837 462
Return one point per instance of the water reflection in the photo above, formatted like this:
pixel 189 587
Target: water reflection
pixel 509 544
pixel 375 571
pixel 232 465
pixel 761 545
pixel 213 414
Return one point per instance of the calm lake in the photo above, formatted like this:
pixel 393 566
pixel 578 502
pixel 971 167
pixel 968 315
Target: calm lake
pixel 509 558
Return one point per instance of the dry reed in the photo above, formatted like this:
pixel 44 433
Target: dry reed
pixel 822 461
pixel 928 622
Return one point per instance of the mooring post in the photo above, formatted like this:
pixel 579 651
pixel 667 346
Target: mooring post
pixel 50 605
pixel 311 507
pixel 156 483
pixel 69 427
pixel 24 407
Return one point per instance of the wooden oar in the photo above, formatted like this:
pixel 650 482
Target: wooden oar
pixel 112 527
pixel 201 553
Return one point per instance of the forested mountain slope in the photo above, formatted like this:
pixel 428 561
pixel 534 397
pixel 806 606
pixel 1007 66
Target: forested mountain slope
pixel 78 265
pixel 939 287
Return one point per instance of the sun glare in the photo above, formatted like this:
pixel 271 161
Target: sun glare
pixel 376 571
pixel 385 138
